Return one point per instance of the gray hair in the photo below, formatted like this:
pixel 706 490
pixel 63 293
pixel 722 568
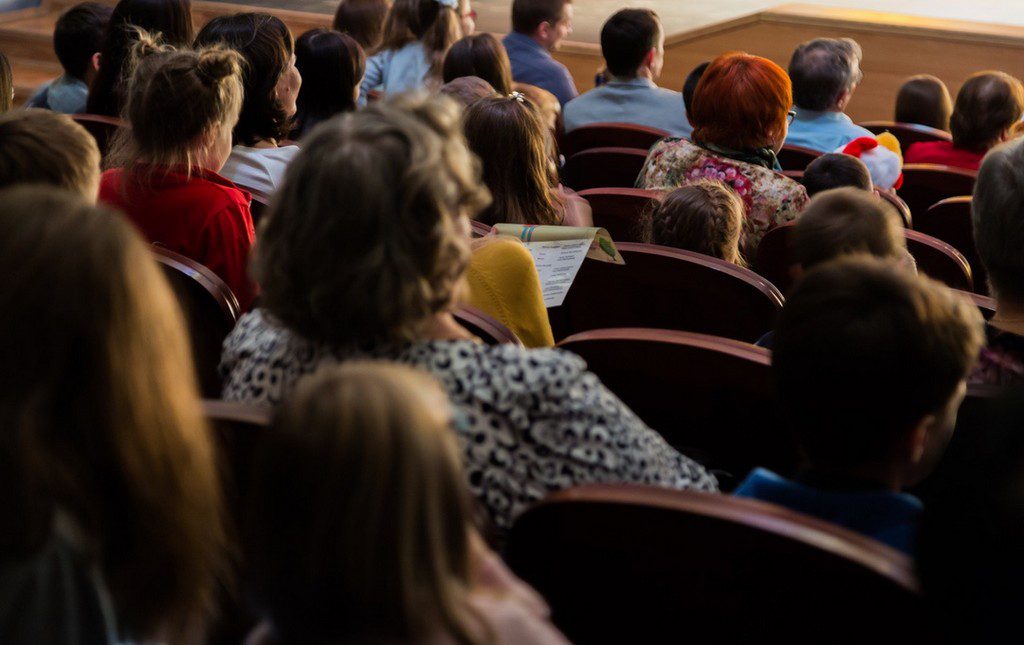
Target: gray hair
pixel 822 69
pixel 998 217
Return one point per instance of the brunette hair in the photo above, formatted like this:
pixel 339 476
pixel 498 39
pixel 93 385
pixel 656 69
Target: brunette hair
pixel 361 523
pixel 924 100
pixel 705 217
pixel 835 170
pixel 434 24
pixel 78 35
pixel 512 142
pixel 527 15
pixel 846 221
pixel 480 55
pixel 363 20
pixel 987 104
pixel 170 20
pixel 367 237
pixel 997 211
pixel 101 416
pixel 690 85
pixel 266 45
pixel 467 90
pixel 758 94
pixel 626 38
pixel 40 146
pixel 332 65
pixel 6 84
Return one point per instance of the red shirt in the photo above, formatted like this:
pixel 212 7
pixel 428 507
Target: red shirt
pixel 204 217
pixel 944 153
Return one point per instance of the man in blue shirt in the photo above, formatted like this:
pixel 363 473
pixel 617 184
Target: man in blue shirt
pixel 633 45
pixel 538 27
pixel 825 73
pixel 77 37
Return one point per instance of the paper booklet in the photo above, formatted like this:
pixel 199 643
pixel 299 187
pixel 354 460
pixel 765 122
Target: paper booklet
pixel 558 252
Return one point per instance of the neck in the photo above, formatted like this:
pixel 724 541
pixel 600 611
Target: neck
pixel 265 143
pixel 443 326
pixel 885 476
pixel 643 72
pixel 537 39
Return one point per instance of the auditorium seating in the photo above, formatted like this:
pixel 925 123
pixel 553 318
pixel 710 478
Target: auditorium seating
pixel 775 257
pixel 259 203
pixel 102 128
pixel 666 288
pixel 907 133
pixel 901 207
pixel 928 184
pixel 488 329
pixel 796 157
pixel 950 221
pixel 632 564
pixel 609 135
pixel 619 210
pixel 710 397
pixel 985 304
pixel 611 167
pixel 210 311
pixel 479 228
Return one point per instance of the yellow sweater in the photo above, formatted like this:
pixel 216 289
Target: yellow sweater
pixel 503 283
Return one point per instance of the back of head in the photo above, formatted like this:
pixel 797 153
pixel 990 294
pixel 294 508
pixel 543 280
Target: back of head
pixel 363 20
pixel 835 170
pixel 437 26
pixel 510 138
pixel 170 20
pixel 6 84
pixel 758 93
pixel 361 529
pixel 822 69
pixel 863 352
pixel 704 217
pixel 847 221
pixel 527 15
pixel 690 85
pixel 101 415
pixel 997 213
pixel 480 55
pixel 43 147
pixel 367 238
pixel 987 105
pixel 626 38
pixel 78 35
pixel 332 66
pixel 467 90
pixel 265 43
pixel 924 100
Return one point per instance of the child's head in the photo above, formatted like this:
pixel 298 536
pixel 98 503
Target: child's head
pixel 361 528
pixel 43 147
pixel 467 90
pixel 332 66
pixel 437 24
pixel 704 217
pixel 924 100
pixel 871 363
pixel 6 84
pixel 510 138
pixel 835 170
pixel 480 55
pixel 363 20
pixel 846 221
pixel 78 36
pixel 690 85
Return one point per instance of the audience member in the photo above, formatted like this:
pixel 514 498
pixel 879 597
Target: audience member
pixel 847 221
pixel 271 84
pixel 416 39
pixel 854 334
pixel 77 38
pixel 331 65
pixel 363 20
pixel 480 55
pixel 363 532
pixel 924 100
pixel 988 106
pixel 690 86
pixel 737 145
pixel 705 217
pixel 43 147
pixel 6 84
pixel 538 28
pixel 514 149
pixel 825 73
pixel 633 45
pixel 546 102
pixel 171 19
pixel 835 170
pixel 362 255
pixel 997 212
pixel 467 90
pixel 165 176
pixel 113 529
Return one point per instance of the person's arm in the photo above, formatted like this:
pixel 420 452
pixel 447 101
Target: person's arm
pixel 563 87
pixel 373 78
pixel 228 239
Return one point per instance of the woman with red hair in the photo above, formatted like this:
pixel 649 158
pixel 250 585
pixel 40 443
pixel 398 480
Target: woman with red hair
pixel 740 114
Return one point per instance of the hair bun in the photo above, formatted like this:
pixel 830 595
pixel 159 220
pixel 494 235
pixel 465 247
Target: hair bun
pixel 217 63
pixel 147 44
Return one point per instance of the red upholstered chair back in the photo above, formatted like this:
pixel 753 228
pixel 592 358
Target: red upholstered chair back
pixel 489 330
pixel 102 128
pixel 907 133
pixel 620 210
pixel 939 260
pixel 928 184
pixel 709 397
pixel 611 167
pixel 796 157
pixel 479 228
pixel 666 288
pixel 609 135
pixel 950 221
pixel 631 564
pixel 210 312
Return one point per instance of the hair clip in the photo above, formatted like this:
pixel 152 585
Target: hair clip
pixel 518 96
pixel 451 4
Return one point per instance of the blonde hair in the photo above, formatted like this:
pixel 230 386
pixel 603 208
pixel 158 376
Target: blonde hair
pixel 361 526
pixel 705 217
pixel 40 146
pixel 100 411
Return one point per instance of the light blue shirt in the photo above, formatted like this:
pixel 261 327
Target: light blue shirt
pixel 533 65
pixel 823 131
pixel 64 94
pixel 635 100
pixel 396 70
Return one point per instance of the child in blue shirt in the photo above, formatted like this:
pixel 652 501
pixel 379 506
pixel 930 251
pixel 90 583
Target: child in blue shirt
pixel 77 37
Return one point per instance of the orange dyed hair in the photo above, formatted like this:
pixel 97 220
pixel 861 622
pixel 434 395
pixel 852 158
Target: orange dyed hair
pixel 741 102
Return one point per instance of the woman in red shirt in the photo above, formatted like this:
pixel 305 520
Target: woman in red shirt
pixel 987 107
pixel 182 106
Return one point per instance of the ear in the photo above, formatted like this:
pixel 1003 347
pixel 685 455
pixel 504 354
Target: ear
pixel 844 99
pixel 917 439
pixel 96 61
pixel 544 30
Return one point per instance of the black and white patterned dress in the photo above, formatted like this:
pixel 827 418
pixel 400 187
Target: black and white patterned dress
pixel 530 421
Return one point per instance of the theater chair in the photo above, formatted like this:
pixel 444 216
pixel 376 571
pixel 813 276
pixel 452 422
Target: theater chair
pixel 102 128
pixel 927 184
pixel 710 397
pixel 796 157
pixel 907 133
pixel 210 311
pixel 479 228
pixel 950 221
pixel 666 288
pixel 611 167
pixel 636 564
pixel 490 330
pixel 620 210
pixel 901 206
pixel 609 135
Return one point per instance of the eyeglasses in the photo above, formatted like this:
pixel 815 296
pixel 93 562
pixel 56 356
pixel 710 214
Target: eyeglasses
pixel 790 116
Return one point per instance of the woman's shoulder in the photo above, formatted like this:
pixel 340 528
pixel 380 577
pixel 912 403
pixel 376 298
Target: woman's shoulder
pixel 504 362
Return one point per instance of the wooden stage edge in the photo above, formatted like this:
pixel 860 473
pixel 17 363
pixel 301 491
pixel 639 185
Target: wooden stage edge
pixel 895 45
